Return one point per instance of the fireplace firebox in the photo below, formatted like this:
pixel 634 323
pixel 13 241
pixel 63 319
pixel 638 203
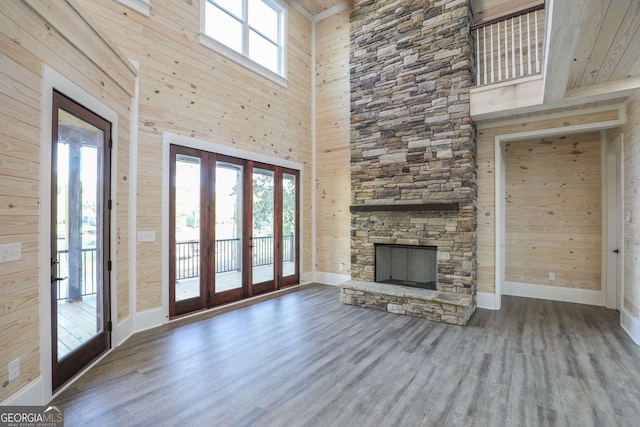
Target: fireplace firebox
pixel 414 266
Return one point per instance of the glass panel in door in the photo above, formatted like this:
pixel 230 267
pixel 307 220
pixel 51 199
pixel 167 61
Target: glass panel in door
pixel 78 232
pixel 187 227
pixel 263 226
pixel 289 216
pixel 80 238
pixel 228 234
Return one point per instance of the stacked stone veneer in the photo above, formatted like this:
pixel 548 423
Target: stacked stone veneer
pixel 412 141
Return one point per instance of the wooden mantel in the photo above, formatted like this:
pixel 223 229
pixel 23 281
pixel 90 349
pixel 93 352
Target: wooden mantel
pixel 411 207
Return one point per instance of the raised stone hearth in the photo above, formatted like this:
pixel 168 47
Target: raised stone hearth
pixel 413 150
pixel 433 305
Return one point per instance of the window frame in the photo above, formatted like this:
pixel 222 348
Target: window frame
pixel 243 58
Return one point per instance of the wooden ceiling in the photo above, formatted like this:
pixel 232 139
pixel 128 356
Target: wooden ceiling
pixel 595 50
pixel 314 7
pixel 608 48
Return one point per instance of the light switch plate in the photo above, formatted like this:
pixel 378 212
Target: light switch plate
pixel 146 236
pixel 10 252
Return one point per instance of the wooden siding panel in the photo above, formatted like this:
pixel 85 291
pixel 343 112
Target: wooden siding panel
pixel 333 181
pixel 186 88
pixel 553 196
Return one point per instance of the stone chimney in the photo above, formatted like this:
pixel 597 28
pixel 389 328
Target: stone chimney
pixel 413 145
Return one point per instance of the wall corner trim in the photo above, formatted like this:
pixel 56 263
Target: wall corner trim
pixel 630 325
pixel 487 301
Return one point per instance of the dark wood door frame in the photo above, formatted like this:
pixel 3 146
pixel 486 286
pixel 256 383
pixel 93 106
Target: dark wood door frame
pixel 208 295
pixel 70 365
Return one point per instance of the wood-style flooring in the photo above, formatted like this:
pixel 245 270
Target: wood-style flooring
pixel 304 359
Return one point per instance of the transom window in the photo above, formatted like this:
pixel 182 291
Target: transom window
pixel 254 29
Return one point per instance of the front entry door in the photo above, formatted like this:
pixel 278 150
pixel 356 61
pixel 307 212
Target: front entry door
pixel 80 228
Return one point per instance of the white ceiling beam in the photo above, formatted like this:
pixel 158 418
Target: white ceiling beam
pixel 565 20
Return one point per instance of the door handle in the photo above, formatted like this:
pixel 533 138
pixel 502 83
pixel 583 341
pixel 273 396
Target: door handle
pixel 616 251
pixel 58 279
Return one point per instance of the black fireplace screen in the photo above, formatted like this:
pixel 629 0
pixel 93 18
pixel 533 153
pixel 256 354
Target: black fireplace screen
pixel 415 266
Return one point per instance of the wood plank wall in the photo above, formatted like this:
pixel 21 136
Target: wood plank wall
pixel 333 185
pixel 188 89
pixel 631 195
pixel 487 132
pixel 553 211
pixel 33 33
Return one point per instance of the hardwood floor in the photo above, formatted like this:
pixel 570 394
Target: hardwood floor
pixel 304 359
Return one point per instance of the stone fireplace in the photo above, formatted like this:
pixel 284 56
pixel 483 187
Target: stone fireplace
pixel 413 151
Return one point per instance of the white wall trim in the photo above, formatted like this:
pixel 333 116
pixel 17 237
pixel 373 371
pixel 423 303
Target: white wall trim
pixel 133 200
pixel 307 277
pixel 29 395
pixel 499 183
pixel 487 301
pixel 314 146
pixel 121 331
pixel 630 325
pixel 51 79
pixel 330 278
pixel 557 115
pixel 151 318
pixel 140 6
pixel 554 293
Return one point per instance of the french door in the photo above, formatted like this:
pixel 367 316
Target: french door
pixel 80 229
pixel 233 229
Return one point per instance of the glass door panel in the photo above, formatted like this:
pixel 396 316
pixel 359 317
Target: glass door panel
pixel 187 227
pixel 79 235
pixel 289 215
pixel 262 230
pixel 228 234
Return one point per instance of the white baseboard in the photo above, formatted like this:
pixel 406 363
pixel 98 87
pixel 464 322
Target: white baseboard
pixel 29 395
pixel 487 300
pixel 122 331
pixel 555 293
pixel 630 325
pixel 307 277
pixel 149 319
pixel 331 278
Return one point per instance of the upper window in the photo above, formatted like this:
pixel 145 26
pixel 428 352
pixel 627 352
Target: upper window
pixel 253 29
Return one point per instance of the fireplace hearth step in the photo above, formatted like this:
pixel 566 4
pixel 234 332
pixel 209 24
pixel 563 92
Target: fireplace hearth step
pixel 447 307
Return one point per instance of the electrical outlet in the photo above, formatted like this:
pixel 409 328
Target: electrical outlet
pixel 552 276
pixel 146 236
pixel 627 216
pixel 342 266
pixel 10 252
pixel 14 369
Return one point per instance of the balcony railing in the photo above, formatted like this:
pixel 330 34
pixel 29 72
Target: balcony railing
pixel 228 258
pixel 229 255
pixel 87 277
pixel 509 47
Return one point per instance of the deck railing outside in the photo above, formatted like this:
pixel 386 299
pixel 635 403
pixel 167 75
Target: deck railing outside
pixel 88 268
pixel 229 255
pixel 228 258
pixel 509 47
